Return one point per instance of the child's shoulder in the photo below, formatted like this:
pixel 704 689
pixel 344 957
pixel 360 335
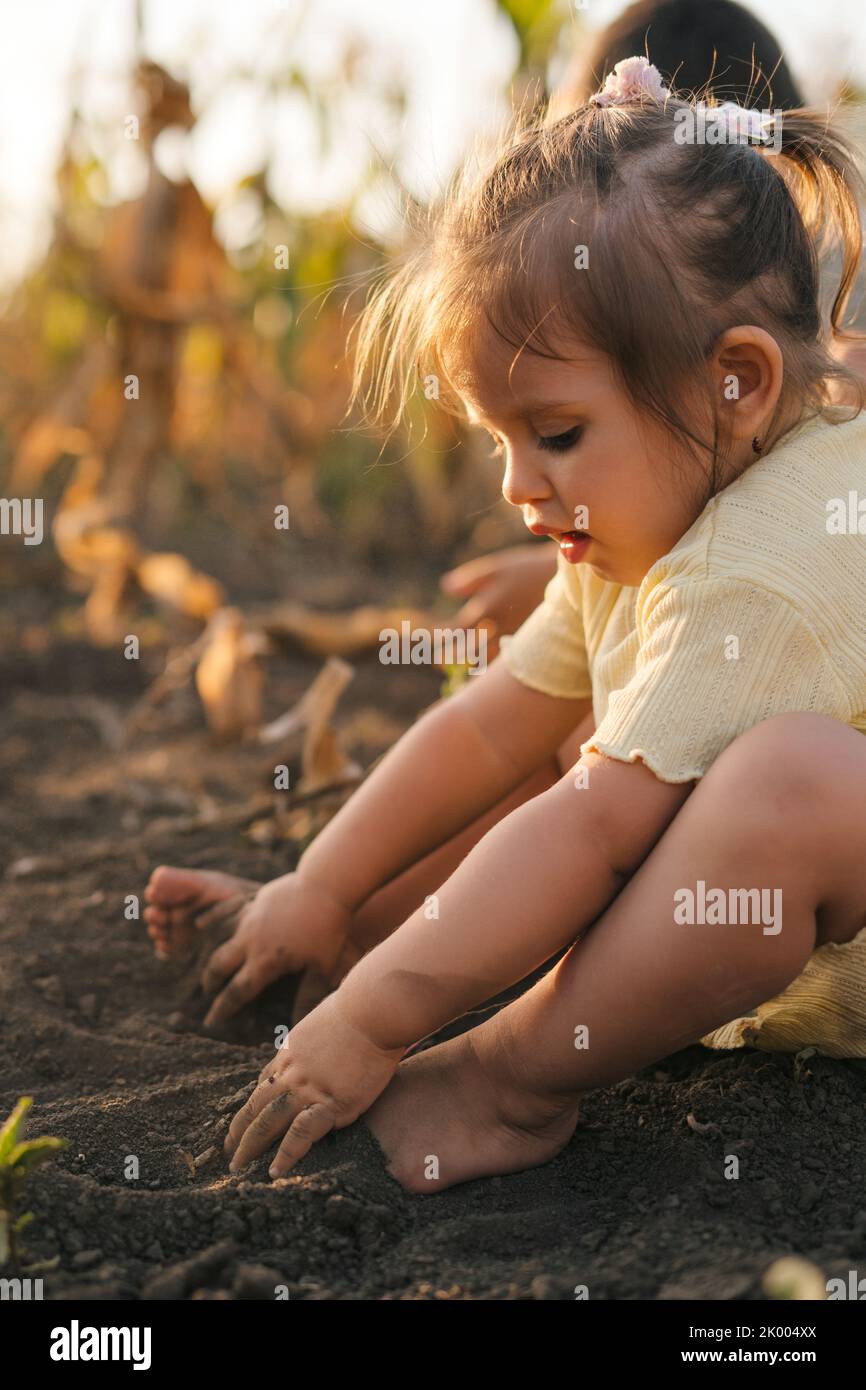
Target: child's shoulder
pixel 792 521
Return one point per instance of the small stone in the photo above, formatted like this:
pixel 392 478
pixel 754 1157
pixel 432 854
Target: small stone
pixel 85 1258
pixel 342 1213
pixel 87 1005
pixel 24 868
pixel 155 1252
pixel 176 1022
pixel 543 1287
pixel 231 1225
pixel 51 988
pixel 256 1281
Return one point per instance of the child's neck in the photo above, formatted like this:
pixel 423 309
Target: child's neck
pixel 744 455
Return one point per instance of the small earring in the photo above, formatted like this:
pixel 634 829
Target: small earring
pixel 757 445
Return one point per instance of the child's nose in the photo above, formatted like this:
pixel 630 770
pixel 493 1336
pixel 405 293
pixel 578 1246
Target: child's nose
pixel 523 481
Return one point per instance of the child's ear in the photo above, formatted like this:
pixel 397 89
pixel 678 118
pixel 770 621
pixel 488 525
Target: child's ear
pixel 748 368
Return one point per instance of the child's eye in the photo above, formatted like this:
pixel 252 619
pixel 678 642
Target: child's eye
pixel 559 443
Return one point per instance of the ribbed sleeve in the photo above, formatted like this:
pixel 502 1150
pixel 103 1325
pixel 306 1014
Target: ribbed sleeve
pixel 715 657
pixel 548 652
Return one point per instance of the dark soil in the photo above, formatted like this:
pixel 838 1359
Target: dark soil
pixel 109 1042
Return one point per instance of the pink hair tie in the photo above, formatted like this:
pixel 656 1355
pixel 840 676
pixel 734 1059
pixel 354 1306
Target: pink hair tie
pixel 631 79
pixel 742 124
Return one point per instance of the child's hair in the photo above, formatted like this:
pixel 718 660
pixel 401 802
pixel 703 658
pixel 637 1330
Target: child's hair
pixel 684 240
pixel 696 45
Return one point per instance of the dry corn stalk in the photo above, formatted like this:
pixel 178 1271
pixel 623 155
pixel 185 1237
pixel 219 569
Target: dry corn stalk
pixel 322 760
pixel 229 677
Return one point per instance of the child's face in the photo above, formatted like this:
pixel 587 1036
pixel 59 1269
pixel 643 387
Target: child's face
pixel 571 440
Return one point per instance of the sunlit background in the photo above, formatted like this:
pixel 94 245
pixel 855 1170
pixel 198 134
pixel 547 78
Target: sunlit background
pixel 452 61
pixel 194 195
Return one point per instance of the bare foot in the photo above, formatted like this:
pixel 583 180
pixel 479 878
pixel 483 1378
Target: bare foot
pixel 181 902
pixel 452 1114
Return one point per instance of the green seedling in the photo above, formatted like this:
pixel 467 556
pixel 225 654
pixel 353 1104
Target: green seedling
pixel 801 1071
pixel 18 1158
pixel 455 676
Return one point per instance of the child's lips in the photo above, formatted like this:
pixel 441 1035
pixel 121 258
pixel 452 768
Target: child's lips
pixel 572 544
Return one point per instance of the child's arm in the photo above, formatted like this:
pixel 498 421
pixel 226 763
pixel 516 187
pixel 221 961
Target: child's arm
pixel 535 881
pixel 457 761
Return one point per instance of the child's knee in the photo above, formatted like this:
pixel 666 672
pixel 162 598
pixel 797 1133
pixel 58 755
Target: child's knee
pixel 781 761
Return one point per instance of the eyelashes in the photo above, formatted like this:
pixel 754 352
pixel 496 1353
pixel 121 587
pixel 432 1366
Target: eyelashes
pixel 550 443
pixel 560 443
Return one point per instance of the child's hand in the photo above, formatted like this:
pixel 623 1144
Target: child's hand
pixel 502 588
pixel 288 926
pixel 324 1076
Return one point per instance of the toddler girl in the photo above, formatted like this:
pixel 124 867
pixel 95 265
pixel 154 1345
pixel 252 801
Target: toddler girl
pixel 662 774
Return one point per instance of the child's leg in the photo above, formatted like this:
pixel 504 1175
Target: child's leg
pixel 782 808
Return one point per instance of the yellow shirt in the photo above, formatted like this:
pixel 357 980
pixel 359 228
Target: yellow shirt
pixel 759 609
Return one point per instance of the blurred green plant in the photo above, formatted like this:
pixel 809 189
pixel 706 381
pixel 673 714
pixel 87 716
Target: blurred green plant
pixel 456 677
pixel 538 25
pixel 18 1158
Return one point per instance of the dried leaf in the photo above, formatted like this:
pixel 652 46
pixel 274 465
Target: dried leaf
pixel 172 579
pixel 229 676
pixel 796 1279
pixel 701 1128
pixel 339 634
pixel 188 1160
pixel 322 760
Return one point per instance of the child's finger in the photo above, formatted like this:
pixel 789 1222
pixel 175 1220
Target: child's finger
pixel 261 1132
pixel 221 912
pixel 222 963
pixel 306 1129
pixel 466 578
pixel 473 612
pixel 256 1101
pixel 236 994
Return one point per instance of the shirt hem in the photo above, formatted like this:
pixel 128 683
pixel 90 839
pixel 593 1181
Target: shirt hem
pixel 634 755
